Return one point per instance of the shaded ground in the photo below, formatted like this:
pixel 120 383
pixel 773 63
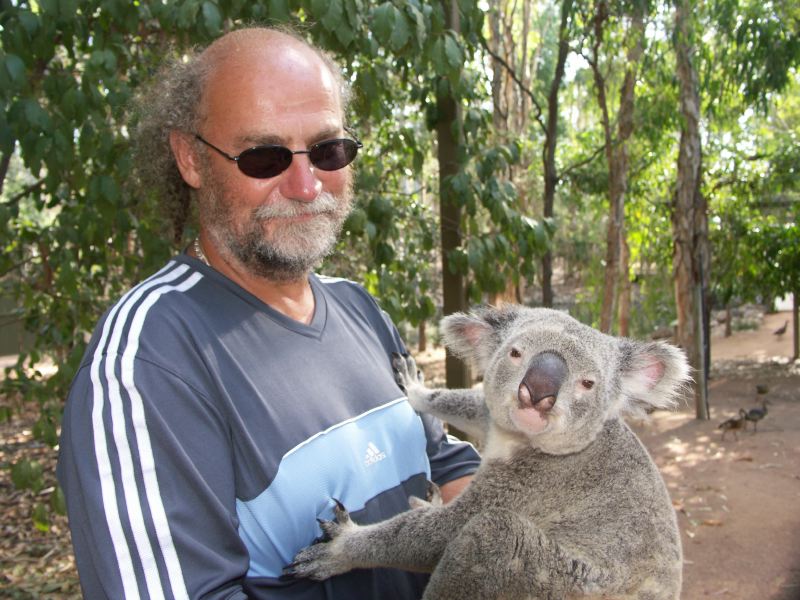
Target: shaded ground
pixel 738 501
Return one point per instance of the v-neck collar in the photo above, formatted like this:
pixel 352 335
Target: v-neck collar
pixel 313 329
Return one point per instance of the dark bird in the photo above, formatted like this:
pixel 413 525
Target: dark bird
pixel 761 388
pixel 781 330
pixel 734 424
pixel 754 415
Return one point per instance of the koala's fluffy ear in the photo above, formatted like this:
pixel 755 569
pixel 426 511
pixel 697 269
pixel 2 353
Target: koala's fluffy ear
pixel 652 374
pixel 475 336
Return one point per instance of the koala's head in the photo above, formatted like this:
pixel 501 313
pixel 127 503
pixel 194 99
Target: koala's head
pixel 555 381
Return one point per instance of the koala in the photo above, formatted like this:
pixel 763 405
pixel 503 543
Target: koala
pixel 566 503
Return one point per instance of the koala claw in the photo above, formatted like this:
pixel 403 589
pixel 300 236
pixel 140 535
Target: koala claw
pixel 433 497
pixel 323 559
pixel 406 373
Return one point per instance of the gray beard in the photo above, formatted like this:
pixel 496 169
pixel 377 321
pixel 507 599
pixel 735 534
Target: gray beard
pixel 291 251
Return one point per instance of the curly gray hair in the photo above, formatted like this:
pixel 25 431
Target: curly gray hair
pixel 171 102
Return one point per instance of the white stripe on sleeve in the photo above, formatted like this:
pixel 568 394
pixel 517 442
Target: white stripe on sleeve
pixel 119 316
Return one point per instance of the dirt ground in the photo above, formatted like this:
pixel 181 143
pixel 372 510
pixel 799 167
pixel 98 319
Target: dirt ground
pixel 737 500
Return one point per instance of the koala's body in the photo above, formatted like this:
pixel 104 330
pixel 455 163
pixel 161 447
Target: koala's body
pixel 567 503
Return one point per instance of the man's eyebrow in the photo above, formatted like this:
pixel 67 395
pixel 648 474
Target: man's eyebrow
pixel 259 140
pixel 276 140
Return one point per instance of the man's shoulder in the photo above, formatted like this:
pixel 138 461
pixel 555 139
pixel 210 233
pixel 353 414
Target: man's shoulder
pixel 345 289
pixel 172 282
pixel 340 284
pixel 158 298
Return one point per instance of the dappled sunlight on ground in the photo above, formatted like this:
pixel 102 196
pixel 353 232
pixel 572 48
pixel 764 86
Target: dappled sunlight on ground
pixel 736 499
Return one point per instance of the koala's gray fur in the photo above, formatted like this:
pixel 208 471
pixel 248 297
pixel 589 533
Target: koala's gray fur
pixel 567 503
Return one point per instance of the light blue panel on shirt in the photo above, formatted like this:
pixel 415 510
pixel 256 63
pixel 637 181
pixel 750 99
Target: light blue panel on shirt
pixel 353 461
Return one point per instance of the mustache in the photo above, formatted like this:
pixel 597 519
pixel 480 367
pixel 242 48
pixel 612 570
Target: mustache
pixel 324 203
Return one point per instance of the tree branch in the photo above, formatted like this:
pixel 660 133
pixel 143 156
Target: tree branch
pixel 12 268
pixel 27 190
pixel 518 81
pixel 574 167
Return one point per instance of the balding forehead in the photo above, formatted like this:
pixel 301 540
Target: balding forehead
pixel 244 40
pixel 261 49
pixel 261 44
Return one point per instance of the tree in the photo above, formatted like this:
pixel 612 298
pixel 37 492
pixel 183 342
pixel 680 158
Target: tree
pixel 779 245
pixel 691 264
pixel 751 51
pixel 520 79
pixel 68 72
pixel 616 149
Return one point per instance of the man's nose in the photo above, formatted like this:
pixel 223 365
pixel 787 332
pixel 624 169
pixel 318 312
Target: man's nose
pixel 299 181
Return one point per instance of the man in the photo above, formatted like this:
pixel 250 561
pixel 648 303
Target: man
pixel 226 401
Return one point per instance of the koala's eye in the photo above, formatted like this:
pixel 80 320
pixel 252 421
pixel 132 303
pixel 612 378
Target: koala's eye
pixel 587 383
pixel 515 353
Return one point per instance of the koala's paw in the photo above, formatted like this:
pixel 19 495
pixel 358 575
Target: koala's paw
pixel 409 378
pixel 433 497
pixel 325 558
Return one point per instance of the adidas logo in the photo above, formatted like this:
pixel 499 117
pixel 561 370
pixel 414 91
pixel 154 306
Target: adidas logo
pixel 373 455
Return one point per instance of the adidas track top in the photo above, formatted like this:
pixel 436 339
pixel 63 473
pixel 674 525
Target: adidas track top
pixel 205 434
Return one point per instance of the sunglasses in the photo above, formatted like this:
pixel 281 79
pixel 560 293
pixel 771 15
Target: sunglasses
pixel 263 162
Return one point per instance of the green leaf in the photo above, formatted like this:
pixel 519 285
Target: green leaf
pixel 419 22
pixel 36 115
pixel 29 22
pixel 57 501
pixel 27 475
pixel 400 33
pixel 333 19
pixel 382 22
pixel 187 14
pixel 45 430
pixel 345 36
pixel 212 17
pixel 452 49
pixel 438 58
pixel 15 68
pixel 279 10
pixel 41 517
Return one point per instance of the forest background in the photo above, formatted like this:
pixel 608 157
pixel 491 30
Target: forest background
pixel 635 162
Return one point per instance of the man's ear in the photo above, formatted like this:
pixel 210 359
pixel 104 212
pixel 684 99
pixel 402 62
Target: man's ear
pixel 185 153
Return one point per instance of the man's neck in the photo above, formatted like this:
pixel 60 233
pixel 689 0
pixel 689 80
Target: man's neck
pixel 293 298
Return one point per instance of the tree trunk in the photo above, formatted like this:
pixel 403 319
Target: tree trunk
pixel 617 156
pixel 499 76
pixel 796 324
pixel 689 218
pixel 453 288
pixel 625 288
pixel 422 337
pixel 728 320
pixel 4 163
pixel 550 142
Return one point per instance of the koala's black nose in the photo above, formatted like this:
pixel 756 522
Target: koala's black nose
pixel 539 388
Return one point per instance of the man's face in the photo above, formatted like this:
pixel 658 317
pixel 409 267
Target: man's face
pixel 281 227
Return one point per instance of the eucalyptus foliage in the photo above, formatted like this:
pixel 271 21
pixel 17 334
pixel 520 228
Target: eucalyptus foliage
pixel 76 233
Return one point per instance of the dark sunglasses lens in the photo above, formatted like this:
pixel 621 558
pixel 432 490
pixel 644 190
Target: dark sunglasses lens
pixel 265 162
pixel 333 154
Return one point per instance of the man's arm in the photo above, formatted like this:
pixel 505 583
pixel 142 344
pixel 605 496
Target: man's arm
pixel 451 489
pixel 145 464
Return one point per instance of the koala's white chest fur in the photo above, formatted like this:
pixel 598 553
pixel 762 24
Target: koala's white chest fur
pixel 501 444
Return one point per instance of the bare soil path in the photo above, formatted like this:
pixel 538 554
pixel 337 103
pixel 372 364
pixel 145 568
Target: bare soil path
pixel 737 500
